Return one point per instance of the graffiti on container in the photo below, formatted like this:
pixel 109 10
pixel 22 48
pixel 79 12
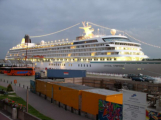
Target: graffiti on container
pixel 151 115
pixel 109 111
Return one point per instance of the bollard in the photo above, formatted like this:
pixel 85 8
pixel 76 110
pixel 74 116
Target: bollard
pixel 45 97
pixel 14 113
pixel 4 80
pixel 59 104
pixel 39 93
pixel 65 107
pixel 97 117
pixel 23 86
pixel 27 87
pixel 51 100
pixel 19 84
pixel 11 82
pixel 7 81
pixel 79 112
pixel 72 109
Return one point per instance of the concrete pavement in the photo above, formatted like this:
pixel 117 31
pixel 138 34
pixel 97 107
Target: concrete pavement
pixel 4 117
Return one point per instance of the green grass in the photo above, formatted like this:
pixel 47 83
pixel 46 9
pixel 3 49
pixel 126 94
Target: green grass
pixel 19 100
pixel 4 88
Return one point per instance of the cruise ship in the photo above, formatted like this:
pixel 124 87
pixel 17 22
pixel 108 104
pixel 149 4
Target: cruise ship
pixel 114 54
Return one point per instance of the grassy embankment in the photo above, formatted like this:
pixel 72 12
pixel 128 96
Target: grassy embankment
pixel 19 100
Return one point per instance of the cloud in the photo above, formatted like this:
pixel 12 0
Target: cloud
pixel 37 17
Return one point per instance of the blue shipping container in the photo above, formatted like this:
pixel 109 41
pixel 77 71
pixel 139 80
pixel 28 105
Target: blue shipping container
pixel 63 73
pixel 37 75
pixel 32 86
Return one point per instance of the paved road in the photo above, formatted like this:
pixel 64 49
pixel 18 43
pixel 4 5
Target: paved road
pixel 45 107
pixel 4 117
pixel 23 80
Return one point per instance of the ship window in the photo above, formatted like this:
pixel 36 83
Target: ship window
pixel 139 68
pixel 115 39
pixel 82 42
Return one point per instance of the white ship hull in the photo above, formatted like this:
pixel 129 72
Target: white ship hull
pixel 146 68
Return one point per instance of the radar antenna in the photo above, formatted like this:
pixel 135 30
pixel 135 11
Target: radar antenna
pixel 87 30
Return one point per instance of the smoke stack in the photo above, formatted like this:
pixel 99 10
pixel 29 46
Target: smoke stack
pixel 27 39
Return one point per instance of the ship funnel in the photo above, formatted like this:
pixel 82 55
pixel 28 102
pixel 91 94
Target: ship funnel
pixel 113 31
pixel 27 39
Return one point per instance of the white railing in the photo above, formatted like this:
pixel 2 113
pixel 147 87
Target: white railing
pixel 106 74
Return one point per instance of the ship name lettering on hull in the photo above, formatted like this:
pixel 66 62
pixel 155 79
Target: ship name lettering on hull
pixel 113 65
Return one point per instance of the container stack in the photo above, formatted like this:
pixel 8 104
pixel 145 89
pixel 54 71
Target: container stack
pixel 79 99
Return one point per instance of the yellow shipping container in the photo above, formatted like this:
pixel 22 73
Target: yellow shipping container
pixel 41 85
pixel 69 94
pixel 91 97
pixel 49 86
pixel 38 85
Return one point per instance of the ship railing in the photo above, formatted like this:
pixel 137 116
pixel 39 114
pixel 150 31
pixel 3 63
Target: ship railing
pixel 106 74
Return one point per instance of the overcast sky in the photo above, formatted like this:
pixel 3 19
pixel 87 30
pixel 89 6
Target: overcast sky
pixel 139 18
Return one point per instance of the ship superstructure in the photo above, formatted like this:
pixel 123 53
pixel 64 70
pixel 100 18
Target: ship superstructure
pixel 97 53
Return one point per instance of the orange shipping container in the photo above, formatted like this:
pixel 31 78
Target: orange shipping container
pixel 41 85
pixel 69 94
pixel 49 86
pixel 91 97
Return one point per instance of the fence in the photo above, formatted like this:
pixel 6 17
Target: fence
pixel 112 84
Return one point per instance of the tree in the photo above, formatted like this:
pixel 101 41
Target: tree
pixel 9 88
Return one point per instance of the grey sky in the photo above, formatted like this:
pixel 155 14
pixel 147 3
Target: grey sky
pixel 140 18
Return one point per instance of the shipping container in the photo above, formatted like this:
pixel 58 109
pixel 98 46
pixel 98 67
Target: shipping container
pixel 50 88
pixel 41 85
pixel 62 73
pixel 91 97
pixel 69 94
pixel 37 75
